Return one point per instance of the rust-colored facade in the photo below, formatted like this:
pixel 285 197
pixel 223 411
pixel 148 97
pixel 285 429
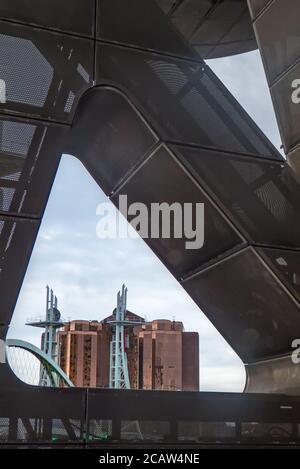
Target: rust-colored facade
pixel 168 357
pixel 160 354
pixel 84 353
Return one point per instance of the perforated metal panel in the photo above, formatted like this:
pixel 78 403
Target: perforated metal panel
pixel 294 162
pixel 113 141
pixel 155 431
pixel 74 16
pixel 287 106
pixel 286 264
pixel 183 101
pixel 141 24
pixel 29 156
pixel 277 31
pixel 213 29
pixel 63 421
pixel 99 430
pixel 4 429
pixel 263 197
pixel 224 25
pixel 244 300
pixel 276 431
pixel 195 432
pixel 16 240
pixel 170 184
pixel 41 69
pixel 279 45
pixel 143 417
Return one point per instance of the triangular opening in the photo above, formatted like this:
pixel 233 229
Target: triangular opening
pixel 86 272
pixel 244 76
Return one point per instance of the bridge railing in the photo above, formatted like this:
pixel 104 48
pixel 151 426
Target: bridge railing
pixel 104 417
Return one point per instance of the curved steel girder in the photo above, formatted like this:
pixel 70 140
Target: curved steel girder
pixel 51 365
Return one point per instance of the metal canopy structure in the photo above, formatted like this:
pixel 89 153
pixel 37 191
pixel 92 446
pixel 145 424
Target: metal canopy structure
pixel 144 113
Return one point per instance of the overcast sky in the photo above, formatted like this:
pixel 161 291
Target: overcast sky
pixel 86 272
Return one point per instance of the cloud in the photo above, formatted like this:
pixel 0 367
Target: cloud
pixel 222 378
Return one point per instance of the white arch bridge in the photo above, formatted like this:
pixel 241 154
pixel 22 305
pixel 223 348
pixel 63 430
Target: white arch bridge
pixel 27 361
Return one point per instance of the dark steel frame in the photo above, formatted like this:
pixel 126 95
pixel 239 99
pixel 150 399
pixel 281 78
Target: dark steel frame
pixel 145 93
